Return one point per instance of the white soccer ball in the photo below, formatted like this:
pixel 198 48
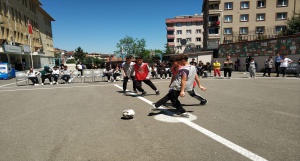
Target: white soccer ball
pixel 128 114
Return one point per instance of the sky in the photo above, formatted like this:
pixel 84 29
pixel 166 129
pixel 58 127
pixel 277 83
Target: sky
pixel 98 25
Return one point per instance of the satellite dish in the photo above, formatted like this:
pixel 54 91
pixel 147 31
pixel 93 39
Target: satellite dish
pixel 183 42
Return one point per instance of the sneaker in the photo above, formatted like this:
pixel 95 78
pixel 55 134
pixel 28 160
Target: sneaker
pixel 153 108
pixel 143 93
pixel 181 114
pixel 42 84
pixel 157 92
pixel 203 102
pixel 135 91
pixel 108 81
pixel 36 84
pixel 70 80
pixel 160 78
pixel 114 80
pixel 51 83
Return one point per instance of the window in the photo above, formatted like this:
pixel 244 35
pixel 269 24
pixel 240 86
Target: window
pixel 188 24
pixel 228 6
pixel 198 23
pixel 198 46
pixel 245 5
pixel 179 40
pixel 244 30
pixel 213 18
pixel 179 32
pixel 213 31
pixel 227 31
pixel 188 39
pixel 260 17
pixel 244 18
pixel 198 31
pixel 188 32
pixel 228 18
pixel 198 39
pixel 261 4
pixel 178 24
pixel 282 3
pixel 281 16
pixel 260 30
pixel 279 28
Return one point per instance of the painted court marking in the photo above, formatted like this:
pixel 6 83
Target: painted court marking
pixel 227 143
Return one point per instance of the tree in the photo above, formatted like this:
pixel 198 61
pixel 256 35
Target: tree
pixel 130 46
pixel 169 50
pixel 293 25
pixel 79 55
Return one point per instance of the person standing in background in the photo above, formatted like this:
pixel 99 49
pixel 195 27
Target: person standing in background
pixel 284 64
pixel 217 66
pixel 278 59
pixel 228 67
pixel 268 66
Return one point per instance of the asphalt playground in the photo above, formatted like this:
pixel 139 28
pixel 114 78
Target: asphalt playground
pixel 244 119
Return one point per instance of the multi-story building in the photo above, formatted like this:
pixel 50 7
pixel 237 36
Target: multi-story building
pixel 244 20
pixel 15 17
pixel 184 33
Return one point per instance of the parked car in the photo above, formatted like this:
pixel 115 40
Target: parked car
pixel 292 68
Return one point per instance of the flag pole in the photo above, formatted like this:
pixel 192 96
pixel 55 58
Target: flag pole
pixel 30 51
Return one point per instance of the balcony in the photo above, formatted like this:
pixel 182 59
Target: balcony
pixel 170 36
pixel 170 28
pixel 171 44
pixel 214 23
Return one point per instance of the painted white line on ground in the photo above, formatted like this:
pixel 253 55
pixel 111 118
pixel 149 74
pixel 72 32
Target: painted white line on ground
pixel 214 136
pixel 10 84
pixel 33 88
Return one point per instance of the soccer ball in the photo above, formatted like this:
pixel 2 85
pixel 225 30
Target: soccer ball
pixel 128 114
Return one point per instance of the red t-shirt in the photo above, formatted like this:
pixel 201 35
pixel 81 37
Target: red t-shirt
pixel 141 72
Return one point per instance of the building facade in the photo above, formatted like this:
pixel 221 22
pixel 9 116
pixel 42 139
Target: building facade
pixel 245 20
pixel 184 33
pixel 15 17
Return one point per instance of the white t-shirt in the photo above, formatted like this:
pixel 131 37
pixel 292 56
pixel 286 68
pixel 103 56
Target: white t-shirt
pixel 79 66
pixel 285 62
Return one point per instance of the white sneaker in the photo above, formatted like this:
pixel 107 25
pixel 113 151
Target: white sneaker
pixel 54 82
pixel 160 78
pixel 51 83
pixel 36 84
pixel 42 84
pixel 114 80
pixel 153 108
pixel 108 81
pixel 181 114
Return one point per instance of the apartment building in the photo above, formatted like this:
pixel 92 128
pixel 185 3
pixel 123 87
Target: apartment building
pixel 184 33
pixel 244 20
pixel 15 17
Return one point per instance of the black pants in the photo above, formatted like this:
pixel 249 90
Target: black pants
pixel 283 70
pixel 267 70
pixel 161 75
pixel 55 77
pixel 115 75
pixel 34 80
pixel 46 77
pixel 228 70
pixel 173 97
pixel 65 77
pixel 277 68
pixel 147 81
pixel 247 67
pixel 80 70
pixel 125 83
pixel 193 94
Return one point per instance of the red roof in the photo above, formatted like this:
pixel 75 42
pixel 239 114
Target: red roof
pixel 193 19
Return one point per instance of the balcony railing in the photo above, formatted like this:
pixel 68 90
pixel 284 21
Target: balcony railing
pixel 170 36
pixel 171 44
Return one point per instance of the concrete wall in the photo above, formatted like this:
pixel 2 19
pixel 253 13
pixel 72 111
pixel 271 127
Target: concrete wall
pixel 260 50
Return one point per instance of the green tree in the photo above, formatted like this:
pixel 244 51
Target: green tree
pixel 79 55
pixel 130 46
pixel 169 50
pixel 293 25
